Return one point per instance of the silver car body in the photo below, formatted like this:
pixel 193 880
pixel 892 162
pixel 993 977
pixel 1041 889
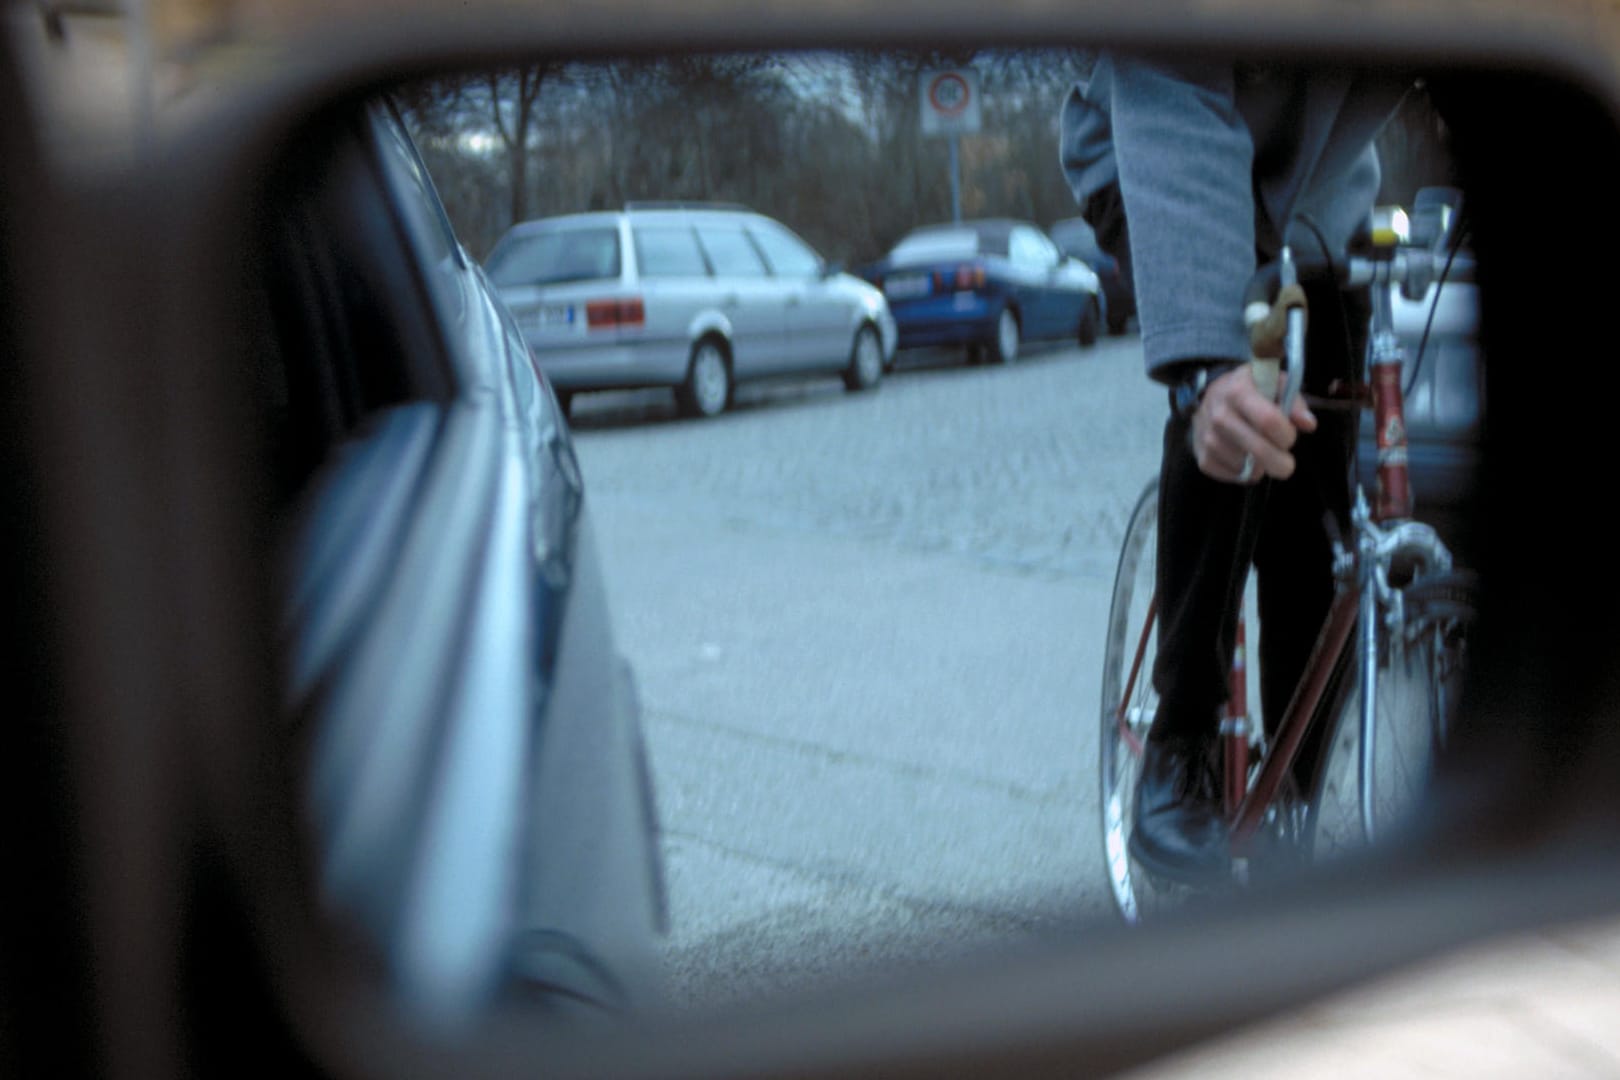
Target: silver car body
pixel 619 299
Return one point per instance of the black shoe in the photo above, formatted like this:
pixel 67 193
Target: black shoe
pixel 1180 831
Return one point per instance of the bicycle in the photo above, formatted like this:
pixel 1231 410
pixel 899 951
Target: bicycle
pixel 1343 765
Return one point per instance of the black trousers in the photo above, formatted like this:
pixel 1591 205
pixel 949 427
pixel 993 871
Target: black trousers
pixel 1211 532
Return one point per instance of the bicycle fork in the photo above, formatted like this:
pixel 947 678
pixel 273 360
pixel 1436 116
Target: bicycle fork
pixel 1236 726
pixel 1368 614
pixel 1394 507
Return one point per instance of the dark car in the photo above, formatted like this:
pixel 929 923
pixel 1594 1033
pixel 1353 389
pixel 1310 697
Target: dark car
pixel 989 285
pixel 474 782
pixel 1076 238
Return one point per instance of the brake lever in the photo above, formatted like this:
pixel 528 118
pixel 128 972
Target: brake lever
pixel 1294 339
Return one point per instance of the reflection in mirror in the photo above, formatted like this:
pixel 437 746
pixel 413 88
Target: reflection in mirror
pixel 841 384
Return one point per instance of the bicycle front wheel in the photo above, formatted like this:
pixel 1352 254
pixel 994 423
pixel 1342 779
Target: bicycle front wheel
pixel 1128 700
pixel 1419 675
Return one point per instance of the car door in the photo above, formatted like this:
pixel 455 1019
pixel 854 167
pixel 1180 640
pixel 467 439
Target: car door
pixel 819 315
pixel 676 287
pixel 1033 268
pixel 440 574
pixel 752 301
pixel 1071 286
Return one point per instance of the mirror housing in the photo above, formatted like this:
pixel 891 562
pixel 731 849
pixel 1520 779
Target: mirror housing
pixel 165 800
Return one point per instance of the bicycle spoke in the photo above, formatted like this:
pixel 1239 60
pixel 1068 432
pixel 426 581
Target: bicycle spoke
pixel 1128 703
pixel 1410 716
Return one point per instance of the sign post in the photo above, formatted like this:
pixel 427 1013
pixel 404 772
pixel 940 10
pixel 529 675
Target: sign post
pixel 950 107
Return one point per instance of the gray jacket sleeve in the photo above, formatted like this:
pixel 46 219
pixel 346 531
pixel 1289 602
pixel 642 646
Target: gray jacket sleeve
pixel 1185 159
pixel 1213 162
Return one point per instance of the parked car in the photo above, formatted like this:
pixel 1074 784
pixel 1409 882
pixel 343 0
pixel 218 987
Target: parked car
pixel 1075 237
pixel 989 285
pixel 697 298
pixel 475 780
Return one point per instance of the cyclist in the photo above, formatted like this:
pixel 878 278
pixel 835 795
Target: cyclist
pixel 1210 163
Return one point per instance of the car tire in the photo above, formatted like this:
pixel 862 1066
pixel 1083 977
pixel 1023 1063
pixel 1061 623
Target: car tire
pixel 1003 348
pixel 1090 323
pixel 866 367
pixel 707 389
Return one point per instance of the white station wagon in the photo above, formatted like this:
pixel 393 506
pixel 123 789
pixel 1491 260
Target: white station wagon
pixel 696 298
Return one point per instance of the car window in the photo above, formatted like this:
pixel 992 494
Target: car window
pixel 668 251
pixel 417 198
pixel 788 255
pixel 360 295
pixel 936 244
pixel 556 257
pixel 1026 248
pixel 1049 253
pixel 730 251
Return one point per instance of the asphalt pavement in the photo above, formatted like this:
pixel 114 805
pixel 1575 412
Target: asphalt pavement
pixel 867 630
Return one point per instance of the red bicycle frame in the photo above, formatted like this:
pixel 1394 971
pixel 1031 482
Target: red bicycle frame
pixel 1247 804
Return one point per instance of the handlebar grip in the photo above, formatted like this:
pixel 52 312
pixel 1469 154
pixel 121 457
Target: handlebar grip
pixel 1267 374
pixel 1277 329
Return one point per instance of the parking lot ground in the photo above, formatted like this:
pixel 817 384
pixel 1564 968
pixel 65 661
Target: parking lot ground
pixel 867 631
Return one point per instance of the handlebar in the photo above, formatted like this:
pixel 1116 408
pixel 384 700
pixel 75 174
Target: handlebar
pixel 1414 270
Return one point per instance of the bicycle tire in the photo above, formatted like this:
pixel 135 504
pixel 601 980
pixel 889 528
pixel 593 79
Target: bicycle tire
pixel 1419 674
pixel 1124 724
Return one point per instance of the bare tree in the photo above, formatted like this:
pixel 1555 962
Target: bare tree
pixel 829 144
pixel 512 98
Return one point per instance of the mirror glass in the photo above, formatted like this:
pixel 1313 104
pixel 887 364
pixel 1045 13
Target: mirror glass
pixel 859 414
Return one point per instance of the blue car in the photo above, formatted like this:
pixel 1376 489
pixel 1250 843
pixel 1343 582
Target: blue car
pixel 989 285
pixel 1074 236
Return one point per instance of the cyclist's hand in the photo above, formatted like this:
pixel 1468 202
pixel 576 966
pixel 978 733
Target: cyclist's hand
pixel 1235 424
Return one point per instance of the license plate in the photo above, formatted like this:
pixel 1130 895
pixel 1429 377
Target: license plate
pixel 555 316
pixel 906 286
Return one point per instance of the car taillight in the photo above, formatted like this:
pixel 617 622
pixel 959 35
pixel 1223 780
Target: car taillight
pixel 966 276
pixel 607 314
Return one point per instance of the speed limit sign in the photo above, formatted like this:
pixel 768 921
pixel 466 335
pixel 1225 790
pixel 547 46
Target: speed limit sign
pixel 950 102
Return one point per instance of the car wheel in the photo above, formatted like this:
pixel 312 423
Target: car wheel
pixel 1090 322
pixel 865 368
pixel 707 389
pixel 1004 349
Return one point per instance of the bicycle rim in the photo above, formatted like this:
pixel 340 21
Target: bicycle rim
pixel 1125 720
pixel 1417 676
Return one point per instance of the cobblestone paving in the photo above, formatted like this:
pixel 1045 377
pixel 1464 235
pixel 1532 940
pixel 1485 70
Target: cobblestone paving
pixel 1034 467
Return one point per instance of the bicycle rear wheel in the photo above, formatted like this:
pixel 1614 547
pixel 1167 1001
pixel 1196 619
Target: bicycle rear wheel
pixel 1128 701
pixel 1419 676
